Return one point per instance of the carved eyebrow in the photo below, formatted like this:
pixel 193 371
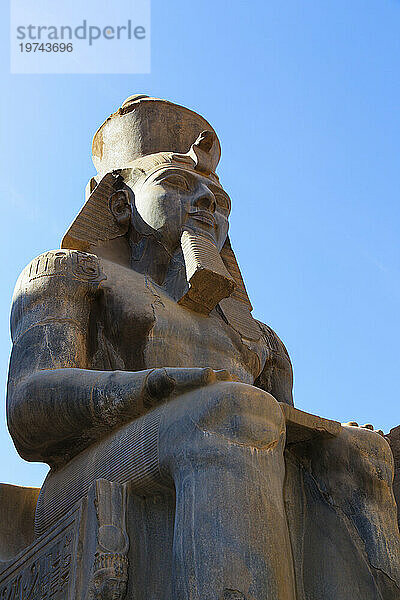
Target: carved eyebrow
pixel 169 172
pixel 217 191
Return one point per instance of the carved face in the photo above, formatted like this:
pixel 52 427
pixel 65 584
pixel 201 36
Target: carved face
pixel 172 199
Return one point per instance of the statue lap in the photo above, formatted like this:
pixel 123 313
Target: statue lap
pixel 147 451
pixel 337 492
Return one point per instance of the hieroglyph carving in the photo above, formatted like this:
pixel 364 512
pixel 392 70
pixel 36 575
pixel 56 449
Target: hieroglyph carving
pixel 110 566
pixel 45 571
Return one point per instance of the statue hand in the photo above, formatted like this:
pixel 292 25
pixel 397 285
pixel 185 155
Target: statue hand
pixel 164 382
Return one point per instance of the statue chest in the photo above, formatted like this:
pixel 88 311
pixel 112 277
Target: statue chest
pixel 139 327
pixel 183 338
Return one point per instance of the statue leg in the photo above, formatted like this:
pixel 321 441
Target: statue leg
pixel 354 472
pixel 223 448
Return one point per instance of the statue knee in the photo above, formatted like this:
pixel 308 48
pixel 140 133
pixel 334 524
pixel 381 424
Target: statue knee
pixel 217 420
pixel 240 414
pixel 372 450
pixel 356 460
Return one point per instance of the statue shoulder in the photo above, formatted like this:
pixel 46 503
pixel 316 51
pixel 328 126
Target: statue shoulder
pixel 55 268
pixel 277 375
pixel 273 341
pixel 56 282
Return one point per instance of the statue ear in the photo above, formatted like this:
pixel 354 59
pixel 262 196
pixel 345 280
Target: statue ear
pixel 120 207
pixel 104 217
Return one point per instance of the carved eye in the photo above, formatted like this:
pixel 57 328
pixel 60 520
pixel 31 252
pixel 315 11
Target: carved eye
pixel 223 202
pixel 177 181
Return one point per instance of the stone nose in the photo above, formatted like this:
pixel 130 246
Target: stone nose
pixel 205 200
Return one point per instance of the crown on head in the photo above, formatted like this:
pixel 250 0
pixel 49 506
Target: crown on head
pixel 145 126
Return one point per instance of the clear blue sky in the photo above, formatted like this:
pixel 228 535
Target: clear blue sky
pixel 305 97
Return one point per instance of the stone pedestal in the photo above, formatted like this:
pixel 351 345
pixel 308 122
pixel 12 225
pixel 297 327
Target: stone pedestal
pixel 83 557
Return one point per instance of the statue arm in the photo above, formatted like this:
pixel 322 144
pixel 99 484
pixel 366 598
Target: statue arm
pixel 277 374
pixel 56 404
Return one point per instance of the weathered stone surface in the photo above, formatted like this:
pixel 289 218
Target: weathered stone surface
pixel 342 519
pixel 18 506
pixel 303 427
pixel 47 568
pixel 394 440
pixel 83 557
pixel 136 360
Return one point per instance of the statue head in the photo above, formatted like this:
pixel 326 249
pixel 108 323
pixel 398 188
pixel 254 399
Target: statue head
pixel 156 188
pixel 170 193
pixel 166 155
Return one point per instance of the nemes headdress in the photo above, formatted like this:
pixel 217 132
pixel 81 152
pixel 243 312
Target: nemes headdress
pixel 145 134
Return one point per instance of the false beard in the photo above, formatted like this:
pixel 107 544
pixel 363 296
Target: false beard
pixel 208 279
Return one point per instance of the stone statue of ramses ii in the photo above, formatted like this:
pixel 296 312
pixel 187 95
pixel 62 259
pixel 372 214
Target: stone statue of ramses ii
pixel 136 359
